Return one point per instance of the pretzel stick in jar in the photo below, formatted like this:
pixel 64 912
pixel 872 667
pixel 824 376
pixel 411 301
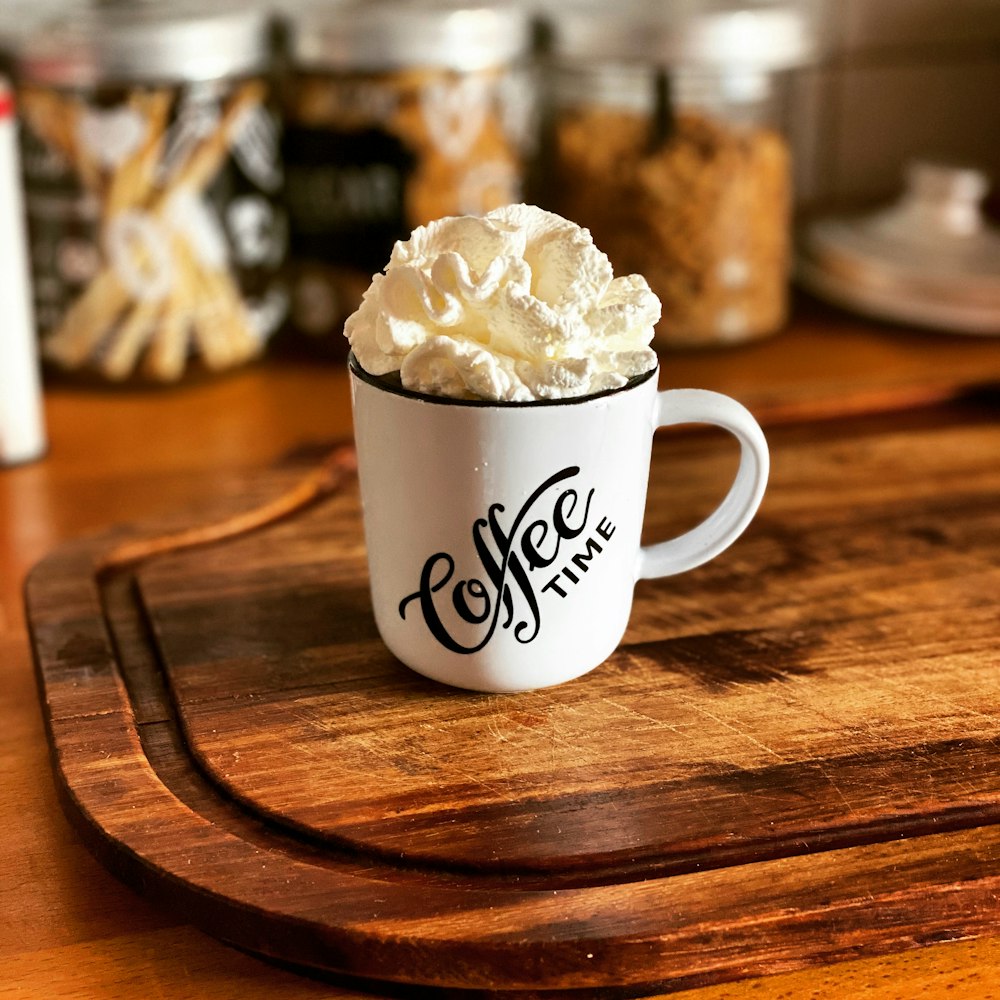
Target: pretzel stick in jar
pixel 207 158
pixel 49 116
pixel 170 341
pixel 218 325
pixel 129 186
pixel 132 183
pixel 233 331
pixel 202 311
pixel 216 333
pixel 89 170
pixel 55 118
pixel 130 338
pixel 168 347
pixel 87 320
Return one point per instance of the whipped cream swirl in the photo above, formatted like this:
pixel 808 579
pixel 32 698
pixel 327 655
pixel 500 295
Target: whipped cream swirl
pixel 514 306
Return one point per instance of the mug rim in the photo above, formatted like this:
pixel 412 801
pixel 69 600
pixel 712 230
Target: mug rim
pixel 354 366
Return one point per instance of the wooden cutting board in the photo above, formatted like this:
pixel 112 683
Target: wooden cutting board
pixel 792 758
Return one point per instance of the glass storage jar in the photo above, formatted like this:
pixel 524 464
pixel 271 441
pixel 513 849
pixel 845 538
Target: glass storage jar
pixel 668 141
pixel 151 159
pixel 396 113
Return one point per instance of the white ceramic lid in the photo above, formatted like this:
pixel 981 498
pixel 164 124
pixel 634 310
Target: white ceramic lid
pixel 930 259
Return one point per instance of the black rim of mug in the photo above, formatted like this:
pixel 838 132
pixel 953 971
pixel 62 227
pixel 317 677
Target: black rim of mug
pixel 379 382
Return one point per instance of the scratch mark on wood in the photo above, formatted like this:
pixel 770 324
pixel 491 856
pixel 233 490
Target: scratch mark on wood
pixel 702 710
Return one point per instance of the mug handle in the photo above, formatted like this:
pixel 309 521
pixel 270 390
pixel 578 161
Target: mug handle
pixel 721 528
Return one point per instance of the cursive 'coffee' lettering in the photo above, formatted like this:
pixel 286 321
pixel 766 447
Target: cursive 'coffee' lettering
pixel 504 595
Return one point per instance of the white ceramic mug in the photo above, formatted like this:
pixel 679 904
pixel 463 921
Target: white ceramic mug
pixel 503 538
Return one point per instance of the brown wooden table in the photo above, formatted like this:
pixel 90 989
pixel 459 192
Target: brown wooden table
pixel 67 927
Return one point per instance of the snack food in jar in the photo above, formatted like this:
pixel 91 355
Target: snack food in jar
pixel 668 142
pixel 396 113
pixel 152 165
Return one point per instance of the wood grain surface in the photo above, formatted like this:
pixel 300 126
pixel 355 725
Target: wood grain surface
pixel 69 928
pixel 792 759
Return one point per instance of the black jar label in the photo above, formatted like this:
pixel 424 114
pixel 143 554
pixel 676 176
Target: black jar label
pixel 346 194
pixel 372 156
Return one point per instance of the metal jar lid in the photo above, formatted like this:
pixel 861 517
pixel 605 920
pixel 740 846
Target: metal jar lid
pixel 929 259
pixel 397 34
pixel 714 35
pixel 147 41
pixel 19 19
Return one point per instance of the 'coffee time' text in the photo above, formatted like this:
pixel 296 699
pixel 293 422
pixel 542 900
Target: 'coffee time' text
pixel 547 548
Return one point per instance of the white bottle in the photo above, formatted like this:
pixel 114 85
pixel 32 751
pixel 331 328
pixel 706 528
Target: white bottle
pixel 22 429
